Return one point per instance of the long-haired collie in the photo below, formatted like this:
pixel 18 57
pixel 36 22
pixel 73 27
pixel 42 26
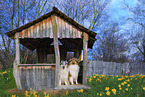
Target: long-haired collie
pixel 63 73
pixel 73 69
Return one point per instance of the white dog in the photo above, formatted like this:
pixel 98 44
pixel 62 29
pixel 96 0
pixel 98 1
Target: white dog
pixel 63 73
pixel 73 69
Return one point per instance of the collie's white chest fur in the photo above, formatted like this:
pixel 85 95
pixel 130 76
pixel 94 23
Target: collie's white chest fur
pixel 64 76
pixel 74 70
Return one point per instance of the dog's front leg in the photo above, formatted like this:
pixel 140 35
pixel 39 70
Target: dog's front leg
pixel 76 81
pixel 71 80
pixel 60 82
pixel 66 83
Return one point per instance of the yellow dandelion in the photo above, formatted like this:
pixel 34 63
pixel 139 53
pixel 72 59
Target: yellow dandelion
pixel 119 85
pixel 97 93
pixel 100 94
pixel 120 88
pixel 45 93
pixel 125 82
pixel 119 79
pixel 94 76
pixel 143 88
pixel 128 80
pixel 80 91
pixel 66 93
pixel 116 75
pixel 7 78
pixel 107 88
pixel 126 89
pixel 35 95
pixel 128 85
pixel 122 83
pixel 107 93
pixel 131 88
pixel 114 91
pixel 13 95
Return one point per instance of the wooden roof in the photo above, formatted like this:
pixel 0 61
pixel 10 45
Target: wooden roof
pixel 57 12
pixel 41 28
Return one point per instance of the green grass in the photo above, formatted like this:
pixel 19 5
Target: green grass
pixel 123 86
pixel 6 82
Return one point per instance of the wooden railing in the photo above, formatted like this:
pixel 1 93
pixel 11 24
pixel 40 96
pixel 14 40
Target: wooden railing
pixel 37 64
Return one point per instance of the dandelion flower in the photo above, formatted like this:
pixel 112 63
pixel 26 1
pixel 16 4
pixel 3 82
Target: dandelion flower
pixel 107 88
pixel 45 93
pixel 119 79
pixel 120 88
pixel 128 85
pixel 125 82
pixel 143 88
pixel 66 93
pixel 97 93
pixel 100 94
pixel 122 83
pixel 126 89
pixel 13 95
pixel 107 93
pixel 119 85
pixel 114 91
pixel 80 91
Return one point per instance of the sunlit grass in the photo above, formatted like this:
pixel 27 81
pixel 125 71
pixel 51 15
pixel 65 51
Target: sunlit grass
pixel 113 86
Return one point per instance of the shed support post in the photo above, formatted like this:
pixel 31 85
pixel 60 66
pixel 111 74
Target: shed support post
pixel 85 61
pixel 16 69
pixel 56 49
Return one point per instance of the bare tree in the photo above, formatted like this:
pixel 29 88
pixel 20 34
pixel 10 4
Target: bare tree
pixel 137 31
pixel 111 45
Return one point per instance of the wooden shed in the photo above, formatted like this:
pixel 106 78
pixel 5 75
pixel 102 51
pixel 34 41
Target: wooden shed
pixel 51 34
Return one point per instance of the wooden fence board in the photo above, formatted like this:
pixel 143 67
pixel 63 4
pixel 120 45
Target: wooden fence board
pixel 112 68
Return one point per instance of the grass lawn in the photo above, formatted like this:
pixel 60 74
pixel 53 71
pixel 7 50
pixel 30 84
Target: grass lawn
pixel 104 86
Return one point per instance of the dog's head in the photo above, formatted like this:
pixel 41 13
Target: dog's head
pixel 64 64
pixel 73 61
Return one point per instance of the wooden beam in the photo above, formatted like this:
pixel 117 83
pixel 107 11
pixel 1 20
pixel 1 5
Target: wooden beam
pixel 85 61
pixel 56 49
pixel 43 64
pixel 16 69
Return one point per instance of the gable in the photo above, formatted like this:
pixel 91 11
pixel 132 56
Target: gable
pixel 43 29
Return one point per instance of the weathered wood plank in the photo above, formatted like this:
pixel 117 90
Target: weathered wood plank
pixel 47 27
pixel 36 64
pixel 32 31
pixel 57 24
pixel 85 61
pixel 31 78
pixel 52 79
pixel 37 30
pixel 16 70
pixel 63 29
pixel 27 79
pixel 40 29
pixel 51 29
pixel 34 78
pixel 56 49
pixel 23 34
pixel 48 79
pixel 29 32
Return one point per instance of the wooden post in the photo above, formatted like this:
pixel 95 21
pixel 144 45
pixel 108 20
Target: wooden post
pixel 56 49
pixel 16 69
pixel 85 61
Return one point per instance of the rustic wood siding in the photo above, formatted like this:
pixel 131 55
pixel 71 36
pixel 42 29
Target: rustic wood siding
pixel 44 29
pixel 37 77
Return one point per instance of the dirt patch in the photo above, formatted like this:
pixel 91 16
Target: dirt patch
pixel 50 91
